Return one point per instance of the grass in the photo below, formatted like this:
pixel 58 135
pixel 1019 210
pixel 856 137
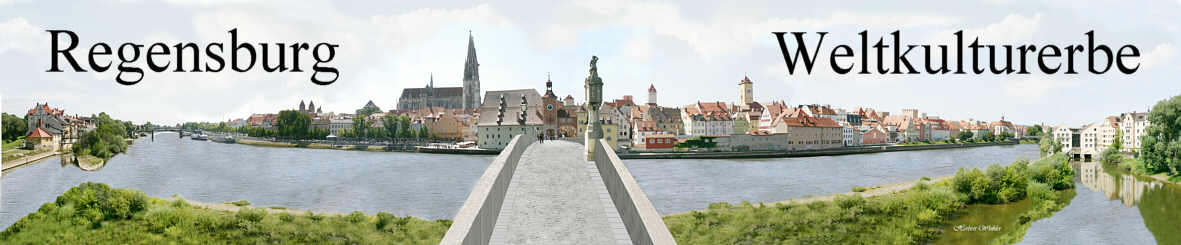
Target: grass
pixel 95 212
pixel 14 144
pixel 915 216
pixel 20 153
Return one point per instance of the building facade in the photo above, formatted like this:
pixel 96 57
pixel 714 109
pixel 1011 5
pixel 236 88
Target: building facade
pixel 507 113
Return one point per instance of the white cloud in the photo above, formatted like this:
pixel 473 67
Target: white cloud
pixel 18 34
pixel 1035 88
pixel 1011 29
pixel 1161 54
pixel 639 48
pixel 719 36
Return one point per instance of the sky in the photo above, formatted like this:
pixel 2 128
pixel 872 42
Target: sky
pixel 690 51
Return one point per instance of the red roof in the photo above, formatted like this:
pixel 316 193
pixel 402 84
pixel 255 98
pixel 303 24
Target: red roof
pixel 797 118
pixel 46 109
pixel 38 133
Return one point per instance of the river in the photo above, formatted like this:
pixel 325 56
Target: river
pixel 434 186
pixel 421 185
pixel 1113 207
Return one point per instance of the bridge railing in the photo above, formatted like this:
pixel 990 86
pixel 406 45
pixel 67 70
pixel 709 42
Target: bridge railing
pixel 474 222
pixel 644 225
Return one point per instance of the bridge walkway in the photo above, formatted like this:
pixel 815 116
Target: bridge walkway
pixel 557 197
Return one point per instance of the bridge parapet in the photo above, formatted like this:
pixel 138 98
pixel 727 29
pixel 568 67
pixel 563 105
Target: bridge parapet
pixel 476 219
pixel 644 225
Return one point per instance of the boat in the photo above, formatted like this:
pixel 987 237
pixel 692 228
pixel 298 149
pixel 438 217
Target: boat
pixel 200 137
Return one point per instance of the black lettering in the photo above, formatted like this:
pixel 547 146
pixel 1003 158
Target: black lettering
pixel 54 51
pixel 802 50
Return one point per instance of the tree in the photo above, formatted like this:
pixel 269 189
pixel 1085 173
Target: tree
pixel 1161 143
pixel 964 135
pixel 366 111
pixel 988 137
pixel 1034 130
pixel 390 123
pixel 360 126
pixel 293 124
pixel 404 127
pixel 1004 136
pixel 1049 146
pixel 14 127
pixel 423 132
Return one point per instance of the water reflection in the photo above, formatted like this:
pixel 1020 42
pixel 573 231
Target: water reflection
pixel 1128 189
pixel 1113 206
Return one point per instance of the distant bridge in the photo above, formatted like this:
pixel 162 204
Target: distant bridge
pixel 547 193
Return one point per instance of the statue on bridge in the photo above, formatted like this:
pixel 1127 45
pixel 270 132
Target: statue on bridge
pixel 594 98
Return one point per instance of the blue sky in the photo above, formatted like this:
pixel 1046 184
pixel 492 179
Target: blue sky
pixel 691 51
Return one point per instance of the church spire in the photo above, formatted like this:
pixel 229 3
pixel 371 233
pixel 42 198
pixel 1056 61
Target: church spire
pixel 471 76
pixel 471 67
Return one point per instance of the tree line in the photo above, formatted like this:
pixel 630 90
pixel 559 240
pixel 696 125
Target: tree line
pixel 291 124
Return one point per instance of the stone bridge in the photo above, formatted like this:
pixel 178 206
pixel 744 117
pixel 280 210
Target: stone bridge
pixel 547 193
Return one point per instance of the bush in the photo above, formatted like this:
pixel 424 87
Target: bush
pixel 94 213
pixel 286 217
pixel 1054 171
pixel 859 189
pixel 357 217
pixel 98 202
pixel 1000 184
pixel 251 214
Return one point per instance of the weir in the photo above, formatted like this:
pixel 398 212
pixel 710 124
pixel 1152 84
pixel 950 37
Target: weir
pixel 547 193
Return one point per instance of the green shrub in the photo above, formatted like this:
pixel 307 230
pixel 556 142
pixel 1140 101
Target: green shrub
pixel 286 217
pixel 251 214
pixel 859 188
pixel 1054 171
pixel 357 217
pixel 240 203
pixel 96 202
pixel 314 216
pixel 94 213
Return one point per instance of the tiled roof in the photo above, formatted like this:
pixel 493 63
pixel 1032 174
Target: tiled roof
pixel 797 118
pixel 38 133
pixel 490 108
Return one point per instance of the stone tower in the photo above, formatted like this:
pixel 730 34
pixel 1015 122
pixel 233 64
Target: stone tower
pixel 652 94
pixel 549 114
pixel 471 77
pixel 594 98
pixel 746 93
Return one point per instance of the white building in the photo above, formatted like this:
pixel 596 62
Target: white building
pixel 850 135
pixel 711 119
pixel 1133 125
pixel 339 125
pixel 759 141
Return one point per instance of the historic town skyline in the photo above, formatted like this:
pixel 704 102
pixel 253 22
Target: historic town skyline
pixel 682 49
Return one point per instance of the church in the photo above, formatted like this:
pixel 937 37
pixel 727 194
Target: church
pixel 466 97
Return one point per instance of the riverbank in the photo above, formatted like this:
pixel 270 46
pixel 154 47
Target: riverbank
pixel 7 165
pixel 911 212
pixel 264 143
pixel 801 153
pixel 95 212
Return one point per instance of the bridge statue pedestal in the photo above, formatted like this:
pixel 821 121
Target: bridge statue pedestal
pixel 594 98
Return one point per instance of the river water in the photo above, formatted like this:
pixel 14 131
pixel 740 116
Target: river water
pixel 1113 207
pixel 435 186
pixel 421 185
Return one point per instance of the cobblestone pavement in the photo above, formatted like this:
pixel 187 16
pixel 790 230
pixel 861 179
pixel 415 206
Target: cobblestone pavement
pixel 557 197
